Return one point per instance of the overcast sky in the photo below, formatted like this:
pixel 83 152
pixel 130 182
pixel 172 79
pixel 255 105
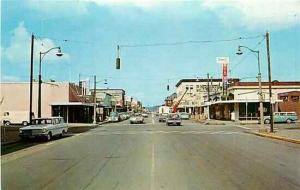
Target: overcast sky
pixel 89 31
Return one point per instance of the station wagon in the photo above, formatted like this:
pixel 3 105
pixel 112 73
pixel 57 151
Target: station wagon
pixel 282 117
pixel 44 127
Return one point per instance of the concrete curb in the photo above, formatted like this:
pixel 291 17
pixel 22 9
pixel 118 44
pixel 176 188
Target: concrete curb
pixel 275 137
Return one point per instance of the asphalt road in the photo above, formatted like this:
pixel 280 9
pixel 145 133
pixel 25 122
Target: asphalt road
pixel 154 156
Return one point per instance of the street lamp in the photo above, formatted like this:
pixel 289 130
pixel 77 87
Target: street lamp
pixel 42 55
pixel 261 108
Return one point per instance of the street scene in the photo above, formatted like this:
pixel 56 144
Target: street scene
pixel 127 94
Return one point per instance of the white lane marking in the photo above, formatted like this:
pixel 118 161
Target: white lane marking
pixel 242 127
pixel 152 167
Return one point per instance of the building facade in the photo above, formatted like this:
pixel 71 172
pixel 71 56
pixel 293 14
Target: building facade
pixel 58 99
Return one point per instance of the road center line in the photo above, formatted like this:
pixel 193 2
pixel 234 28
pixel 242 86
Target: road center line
pixel 152 167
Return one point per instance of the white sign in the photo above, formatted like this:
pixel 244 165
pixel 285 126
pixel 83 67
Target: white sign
pixel 222 60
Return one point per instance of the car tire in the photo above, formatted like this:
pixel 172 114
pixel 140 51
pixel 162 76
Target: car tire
pixel 24 123
pixel 63 133
pixel 267 121
pixel 49 136
pixel 288 121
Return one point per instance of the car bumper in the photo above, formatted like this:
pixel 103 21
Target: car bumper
pixel 32 135
pixel 173 122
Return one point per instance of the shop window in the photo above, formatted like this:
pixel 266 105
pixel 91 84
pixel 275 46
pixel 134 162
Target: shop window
pixel 284 98
pixel 295 98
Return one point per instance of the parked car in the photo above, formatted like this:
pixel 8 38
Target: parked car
pixel 173 119
pixel 15 117
pixel 184 115
pixel 282 117
pixel 162 117
pixel 44 127
pixel 114 117
pixel 137 118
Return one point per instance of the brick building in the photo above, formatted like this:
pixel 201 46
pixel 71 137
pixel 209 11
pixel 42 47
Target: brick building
pixel 290 102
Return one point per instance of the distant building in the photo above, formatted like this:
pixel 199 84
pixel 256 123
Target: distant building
pixel 117 98
pixel 169 100
pixel 196 91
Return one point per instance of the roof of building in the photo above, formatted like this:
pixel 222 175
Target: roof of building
pixel 274 83
pixel 204 80
pixel 109 89
pixel 289 92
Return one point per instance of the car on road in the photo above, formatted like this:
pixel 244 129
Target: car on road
pixel 44 127
pixel 114 117
pixel 145 114
pixel 162 117
pixel 282 117
pixel 173 119
pixel 137 118
pixel 184 115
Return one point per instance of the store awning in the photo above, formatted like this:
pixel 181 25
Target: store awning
pixel 71 104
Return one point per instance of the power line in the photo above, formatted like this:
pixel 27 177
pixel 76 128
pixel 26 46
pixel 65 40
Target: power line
pixel 191 42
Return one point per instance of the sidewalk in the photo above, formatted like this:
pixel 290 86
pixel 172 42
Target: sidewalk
pixel 225 122
pixel 284 132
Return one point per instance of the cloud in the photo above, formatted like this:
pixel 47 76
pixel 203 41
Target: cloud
pixel 18 50
pixel 256 13
pixel 59 8
pixel 145 4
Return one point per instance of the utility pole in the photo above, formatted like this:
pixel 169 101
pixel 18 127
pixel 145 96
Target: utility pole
pixel 208 97
pixel 31 79
pixel 270 81
pixel 94 99
pixel 40 88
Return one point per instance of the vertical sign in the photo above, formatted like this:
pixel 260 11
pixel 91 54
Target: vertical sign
pixel 224 61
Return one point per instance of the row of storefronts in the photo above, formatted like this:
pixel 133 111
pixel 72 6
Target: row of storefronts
pixel 241 101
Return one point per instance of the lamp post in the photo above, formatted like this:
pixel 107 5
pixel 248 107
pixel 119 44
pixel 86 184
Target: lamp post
pixel 42 55
pixel 261 108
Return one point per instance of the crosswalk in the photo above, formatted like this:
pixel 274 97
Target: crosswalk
pixel 180 132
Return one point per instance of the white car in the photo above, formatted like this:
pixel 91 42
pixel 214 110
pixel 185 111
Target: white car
pixel 44 127
pixel 137 118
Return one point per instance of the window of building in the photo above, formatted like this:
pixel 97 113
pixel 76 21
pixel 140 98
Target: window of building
pixel 284 98
pixel 197 86
pixel 295 98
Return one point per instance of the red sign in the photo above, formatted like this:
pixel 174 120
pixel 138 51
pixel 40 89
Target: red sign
pixel 224 72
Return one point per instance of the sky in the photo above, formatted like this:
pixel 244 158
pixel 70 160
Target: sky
pixel 161 41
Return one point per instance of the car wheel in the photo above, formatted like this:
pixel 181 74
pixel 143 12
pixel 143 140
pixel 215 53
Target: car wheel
pixel 24 123
pixel 49 136
pixel 289 121
pixel 267 121
pixel 7 123
pixel 63 133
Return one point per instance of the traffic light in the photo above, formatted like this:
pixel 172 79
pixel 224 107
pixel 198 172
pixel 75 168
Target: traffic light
pixel 168 87
pixel 118 63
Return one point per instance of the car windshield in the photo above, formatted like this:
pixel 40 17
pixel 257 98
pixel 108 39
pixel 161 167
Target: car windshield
pixel 174 116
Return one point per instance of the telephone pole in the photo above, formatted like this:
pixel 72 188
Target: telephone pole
pixel 270 81
pixel 94 99
pixel 31 79
pixel 208 97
